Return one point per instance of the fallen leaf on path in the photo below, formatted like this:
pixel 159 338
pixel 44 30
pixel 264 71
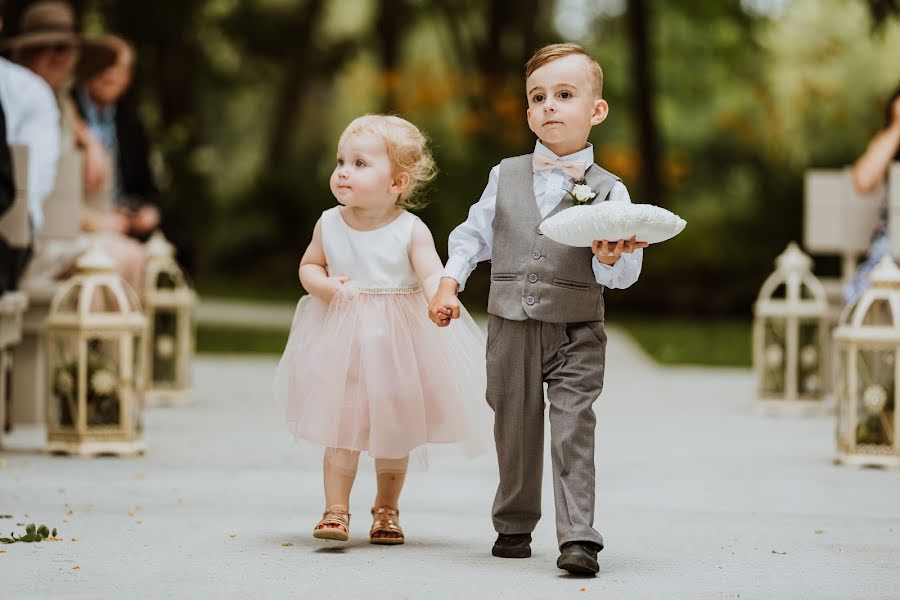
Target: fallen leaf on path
pixel 139 522
pixel 820 531
pixel 286 544
pixel 75 568
pixel 130 514
pixel 777 552
pixel 74 539
pixel 232 535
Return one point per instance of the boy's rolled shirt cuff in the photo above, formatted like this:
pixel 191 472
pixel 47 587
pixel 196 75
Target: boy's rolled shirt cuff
pixel 609 275
pixel 458 268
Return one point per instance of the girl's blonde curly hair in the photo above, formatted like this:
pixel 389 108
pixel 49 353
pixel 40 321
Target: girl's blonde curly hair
pixel 407 149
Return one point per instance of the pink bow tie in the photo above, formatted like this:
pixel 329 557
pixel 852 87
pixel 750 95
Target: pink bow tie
pixel 573 168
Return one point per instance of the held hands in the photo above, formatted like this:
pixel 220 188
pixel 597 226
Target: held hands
pixel 608 253
pixel 444 305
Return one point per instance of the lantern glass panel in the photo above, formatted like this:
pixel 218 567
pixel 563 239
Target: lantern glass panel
pixel 879 313
pixel 165 346
pixel 62 365
pixel 780 292
pixel 809 359
pixel 69 303
pixel 104 385
pixel 139 383
pixel 842 392
pixel 875 397
pixel 773 357
pixel 166 280
pixel 806 292
pixel 103 300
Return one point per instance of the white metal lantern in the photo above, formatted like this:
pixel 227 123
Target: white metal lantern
pixel 169 303
pixel 94 337
pixel 790 337
pixel 867 343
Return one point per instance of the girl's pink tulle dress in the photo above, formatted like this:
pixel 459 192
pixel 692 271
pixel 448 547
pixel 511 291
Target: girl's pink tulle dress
pixel 370 371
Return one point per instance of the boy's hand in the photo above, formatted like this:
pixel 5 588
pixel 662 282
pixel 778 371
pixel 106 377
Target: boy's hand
pixel 444 305
pixel 608 253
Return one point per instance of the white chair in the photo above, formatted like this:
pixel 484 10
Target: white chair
pixel 837 220
pixel 52 245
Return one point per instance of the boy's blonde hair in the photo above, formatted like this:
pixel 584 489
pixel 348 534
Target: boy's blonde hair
pixel 407 149
pixel 557 51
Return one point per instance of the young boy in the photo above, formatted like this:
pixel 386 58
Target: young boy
pixel 546 307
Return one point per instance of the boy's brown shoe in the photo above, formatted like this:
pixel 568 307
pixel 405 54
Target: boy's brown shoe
pixel 579 558
pixel 512 545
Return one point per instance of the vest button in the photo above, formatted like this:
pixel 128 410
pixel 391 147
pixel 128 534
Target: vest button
pixel 529 300
pixel 536 254
pixel 532 278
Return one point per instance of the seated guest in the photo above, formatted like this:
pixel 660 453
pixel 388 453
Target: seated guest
pixel 870 173
pixel 31 119
pixel 117 124
pixel 48 45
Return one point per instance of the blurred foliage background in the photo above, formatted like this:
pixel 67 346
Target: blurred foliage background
pixel 717 108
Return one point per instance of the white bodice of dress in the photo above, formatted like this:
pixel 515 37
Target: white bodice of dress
pixel 371 259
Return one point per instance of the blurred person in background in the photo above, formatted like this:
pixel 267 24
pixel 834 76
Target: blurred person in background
pixel 870 173
pixel 31 118
pixel 48 45
pixel 116 123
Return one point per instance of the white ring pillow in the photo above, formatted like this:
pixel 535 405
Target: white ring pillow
pixel 581 225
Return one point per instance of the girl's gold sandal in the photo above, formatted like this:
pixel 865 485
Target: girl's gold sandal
pixel 335 525
pixel 386 520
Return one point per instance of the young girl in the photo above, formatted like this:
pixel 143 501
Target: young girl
pixel 364 369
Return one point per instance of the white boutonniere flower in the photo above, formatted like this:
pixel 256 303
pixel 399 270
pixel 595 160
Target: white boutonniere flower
pixel 581 192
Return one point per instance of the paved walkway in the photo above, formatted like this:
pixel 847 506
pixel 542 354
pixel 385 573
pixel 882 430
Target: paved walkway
pixel 697 498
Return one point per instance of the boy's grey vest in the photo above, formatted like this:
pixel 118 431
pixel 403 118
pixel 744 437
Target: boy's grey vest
pixel 533 277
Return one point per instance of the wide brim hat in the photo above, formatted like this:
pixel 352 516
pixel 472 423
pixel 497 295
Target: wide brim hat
pixel 44 23
pixel 51 22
